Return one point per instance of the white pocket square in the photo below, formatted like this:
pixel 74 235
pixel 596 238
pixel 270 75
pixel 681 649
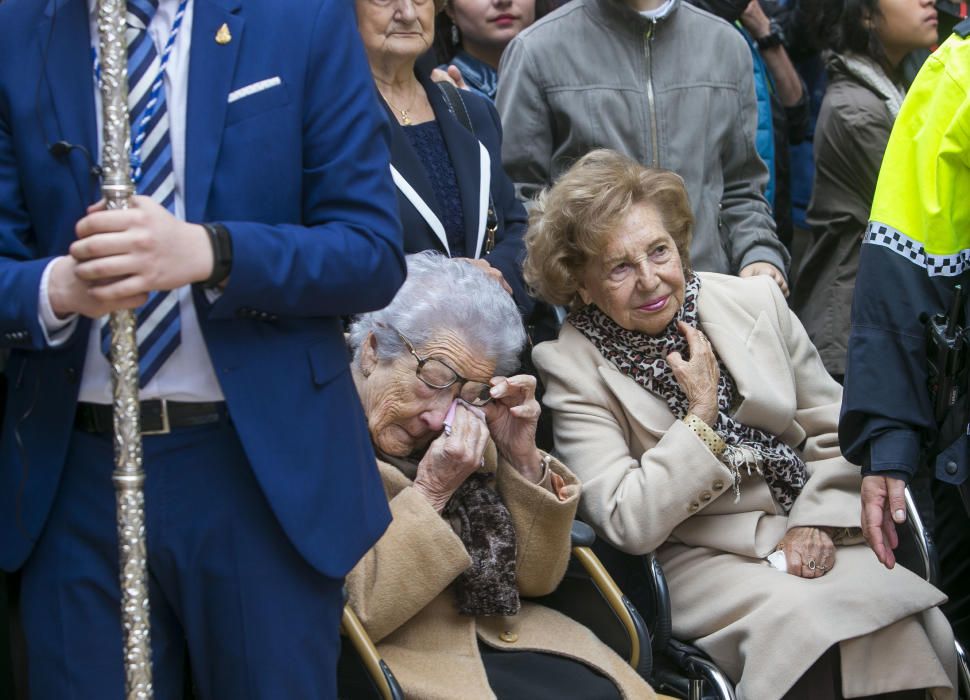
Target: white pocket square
pixel 253 88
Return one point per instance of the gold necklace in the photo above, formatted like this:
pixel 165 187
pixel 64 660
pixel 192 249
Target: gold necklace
pixel 405 113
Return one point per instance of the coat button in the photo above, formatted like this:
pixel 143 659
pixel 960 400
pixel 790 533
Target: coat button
pixel 717 485
pixel 509 637
pixel 706 496
pixel 951 468
pixel 71 374
pixel 693 507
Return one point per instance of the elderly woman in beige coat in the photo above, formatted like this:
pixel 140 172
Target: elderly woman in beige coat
pixel 703 425
pixel 481 517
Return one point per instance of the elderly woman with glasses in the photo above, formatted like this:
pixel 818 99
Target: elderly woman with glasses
pixel 482 517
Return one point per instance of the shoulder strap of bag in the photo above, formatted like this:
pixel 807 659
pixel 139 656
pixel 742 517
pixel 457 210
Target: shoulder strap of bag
pixel 457 106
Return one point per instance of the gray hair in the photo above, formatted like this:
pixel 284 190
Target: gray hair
pixel 445 294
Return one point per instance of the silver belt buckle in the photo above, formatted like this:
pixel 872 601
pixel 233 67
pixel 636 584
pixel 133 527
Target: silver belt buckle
pixel 166 426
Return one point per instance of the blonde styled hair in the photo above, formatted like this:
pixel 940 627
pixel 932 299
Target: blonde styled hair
pixel 571 223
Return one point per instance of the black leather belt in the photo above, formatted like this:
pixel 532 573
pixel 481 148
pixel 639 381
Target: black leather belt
pixel 158 416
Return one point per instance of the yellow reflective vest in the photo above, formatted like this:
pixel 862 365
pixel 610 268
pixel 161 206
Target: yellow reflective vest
pixel 923 192
pixel 916 248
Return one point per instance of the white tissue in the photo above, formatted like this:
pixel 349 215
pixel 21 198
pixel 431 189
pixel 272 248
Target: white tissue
pixel 777 560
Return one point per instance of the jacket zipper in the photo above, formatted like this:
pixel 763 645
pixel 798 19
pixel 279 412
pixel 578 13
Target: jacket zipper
pixel 651 106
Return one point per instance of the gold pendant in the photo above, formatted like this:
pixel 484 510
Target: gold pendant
pixel 223 36
pixel 405 118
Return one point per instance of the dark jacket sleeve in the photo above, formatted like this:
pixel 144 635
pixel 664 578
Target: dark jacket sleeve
pixel 886 407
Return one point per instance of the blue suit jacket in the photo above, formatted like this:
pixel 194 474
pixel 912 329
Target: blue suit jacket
pixel 477 160
pixel 298 174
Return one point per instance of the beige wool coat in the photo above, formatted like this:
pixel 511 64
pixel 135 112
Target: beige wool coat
pixel 650 484
pixel 401 590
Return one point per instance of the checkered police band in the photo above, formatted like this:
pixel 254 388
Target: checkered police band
pixel 948 265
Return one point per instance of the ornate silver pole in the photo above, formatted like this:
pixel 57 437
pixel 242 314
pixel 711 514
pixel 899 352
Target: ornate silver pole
pixel 128 475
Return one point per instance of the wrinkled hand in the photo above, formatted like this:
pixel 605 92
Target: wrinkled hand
pixel 697 376
pixel 763 268
pixel 450 459
pixel 804 545
pixel 492 272
pixel 123 254
pixel 450 75
pixel 755 20
pixel 512 415
pixel 883 507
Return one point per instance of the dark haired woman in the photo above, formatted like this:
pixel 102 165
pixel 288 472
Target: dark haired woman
pixel 472 34
pixel 867 40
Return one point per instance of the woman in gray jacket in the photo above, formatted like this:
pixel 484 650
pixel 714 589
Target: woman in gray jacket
pixel 867 40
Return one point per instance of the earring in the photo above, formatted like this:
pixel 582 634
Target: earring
pixel 455 36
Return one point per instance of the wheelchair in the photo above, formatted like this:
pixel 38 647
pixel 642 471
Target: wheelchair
pixel 679 669
pixel 684 671
pixel 928 565
pixel 587 594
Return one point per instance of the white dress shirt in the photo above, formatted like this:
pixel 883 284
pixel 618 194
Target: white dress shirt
pixel 188 374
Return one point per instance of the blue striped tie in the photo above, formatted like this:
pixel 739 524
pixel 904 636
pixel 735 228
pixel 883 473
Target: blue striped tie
pixel 158 321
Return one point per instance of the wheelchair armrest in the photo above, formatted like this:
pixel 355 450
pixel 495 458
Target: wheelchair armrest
pixel 641 656
pixel 660 594
pixel 377 669
pixel 582 534
pixel 699 666
pixel 924 540
pixel 963 669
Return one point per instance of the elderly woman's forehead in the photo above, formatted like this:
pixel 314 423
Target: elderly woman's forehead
pixel 638 221
pixel 461 355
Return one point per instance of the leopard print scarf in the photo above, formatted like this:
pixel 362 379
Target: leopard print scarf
pixel 643 358
pixel 484 524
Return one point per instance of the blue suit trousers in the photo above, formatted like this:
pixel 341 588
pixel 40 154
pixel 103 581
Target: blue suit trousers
pixel 229 592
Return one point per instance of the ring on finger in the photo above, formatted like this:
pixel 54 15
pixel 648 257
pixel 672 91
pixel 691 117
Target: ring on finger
pixel 812 565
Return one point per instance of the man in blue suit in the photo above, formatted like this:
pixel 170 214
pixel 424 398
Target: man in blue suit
pixel 265 212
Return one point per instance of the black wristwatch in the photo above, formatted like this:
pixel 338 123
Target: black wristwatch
pixel 776 37
pixel 221 254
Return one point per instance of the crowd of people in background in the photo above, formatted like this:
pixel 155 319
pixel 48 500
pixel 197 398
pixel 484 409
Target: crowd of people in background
pixel 672 194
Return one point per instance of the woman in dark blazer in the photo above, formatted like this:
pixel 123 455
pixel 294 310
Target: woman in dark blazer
pixel 448 178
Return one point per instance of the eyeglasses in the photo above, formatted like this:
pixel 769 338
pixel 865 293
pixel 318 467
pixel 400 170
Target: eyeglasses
pixel 437 375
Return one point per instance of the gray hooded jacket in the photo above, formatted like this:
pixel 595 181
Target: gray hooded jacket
pixel 675 92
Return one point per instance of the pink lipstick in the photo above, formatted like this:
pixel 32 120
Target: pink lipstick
pixel 655 305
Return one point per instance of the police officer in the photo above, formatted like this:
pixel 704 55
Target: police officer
pixel 916 248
